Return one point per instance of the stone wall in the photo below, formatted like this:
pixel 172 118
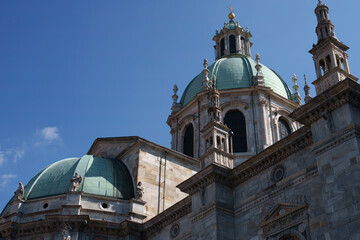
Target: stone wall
pixel 160 173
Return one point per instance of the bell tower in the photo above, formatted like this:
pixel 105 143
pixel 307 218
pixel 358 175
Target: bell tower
pixel 329 54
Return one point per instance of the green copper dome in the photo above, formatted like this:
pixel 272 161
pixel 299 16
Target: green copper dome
pixel 100 176
pixel 235 71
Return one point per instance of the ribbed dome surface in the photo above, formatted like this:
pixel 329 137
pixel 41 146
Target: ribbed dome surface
pixel 235 71
pixel 104 177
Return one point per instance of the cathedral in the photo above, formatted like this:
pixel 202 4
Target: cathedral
pixel 248 160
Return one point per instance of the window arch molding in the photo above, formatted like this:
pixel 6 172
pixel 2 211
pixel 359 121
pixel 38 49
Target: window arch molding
pixel 186 121
pixel 283 114
pixel 290 232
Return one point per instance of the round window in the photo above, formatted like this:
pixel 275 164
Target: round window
pixel 278 173
pixel 104 205
pixel 174 231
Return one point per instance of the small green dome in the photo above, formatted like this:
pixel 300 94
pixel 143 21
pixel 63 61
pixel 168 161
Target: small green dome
pixel 231 25
pixel 235 71
pixel 100 176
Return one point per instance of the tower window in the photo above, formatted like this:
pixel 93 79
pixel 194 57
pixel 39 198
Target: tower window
pixel 232 44
pixel 242 39
pixel 235 120
pixel 284 128
pixel 328 62
pixel 322 67
pixel 189 141
pixel 222 47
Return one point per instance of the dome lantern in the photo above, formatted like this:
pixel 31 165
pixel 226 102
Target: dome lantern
pixel 232 39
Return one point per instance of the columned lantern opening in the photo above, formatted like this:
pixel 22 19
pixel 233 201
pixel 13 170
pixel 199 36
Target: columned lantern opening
pixel 222 47
pixel 189 141
pixel 235 120
pixel 232 44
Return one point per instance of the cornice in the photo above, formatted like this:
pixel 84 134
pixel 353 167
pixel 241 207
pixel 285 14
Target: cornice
pixel 345 92
pixel 212 150
pixel 272 155
pixel 253 166
pixel 169 216
pixel 210 174
pixel 336 139
pixel 325 42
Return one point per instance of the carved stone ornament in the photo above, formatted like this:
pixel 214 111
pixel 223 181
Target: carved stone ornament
pixel 139 191
pixel 202 195
pixel 66 232
pixel 278 173
pixel 174 230
pixel 283 217
pixel 19 193
pixel 75 182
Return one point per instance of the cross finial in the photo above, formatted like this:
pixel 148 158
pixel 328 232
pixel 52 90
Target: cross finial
pixel 231 9
pixel 305 79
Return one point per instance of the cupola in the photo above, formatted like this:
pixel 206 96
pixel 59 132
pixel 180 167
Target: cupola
pixel 232 39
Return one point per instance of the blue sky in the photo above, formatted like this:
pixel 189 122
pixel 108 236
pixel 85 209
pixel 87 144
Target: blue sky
pixel 72 71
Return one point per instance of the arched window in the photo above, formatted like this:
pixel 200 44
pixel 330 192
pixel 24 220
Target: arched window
pixel 235 120
pixel 189 141
pixel 222 47
pixel 232 44
pixel 284 128
pixel 322 67
pixel 328 62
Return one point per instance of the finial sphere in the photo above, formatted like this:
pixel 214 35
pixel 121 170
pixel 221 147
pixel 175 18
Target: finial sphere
pixel 231 16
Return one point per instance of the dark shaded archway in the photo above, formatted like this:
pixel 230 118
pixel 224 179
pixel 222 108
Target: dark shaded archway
pixel 189 140
pixel 235 120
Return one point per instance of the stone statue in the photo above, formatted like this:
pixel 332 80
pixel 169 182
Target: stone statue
pixel 139 191
pixel 75 182
pixel 19 193
pixel 66 232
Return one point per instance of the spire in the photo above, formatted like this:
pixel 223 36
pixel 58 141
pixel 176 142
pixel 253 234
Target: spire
pixel 295 96
pixel 259 78
pixel 215 134
pixel 329 54
pixel 214 110
pixel 175 106
pixel 307 90
pixel 324 28
pixel 205 72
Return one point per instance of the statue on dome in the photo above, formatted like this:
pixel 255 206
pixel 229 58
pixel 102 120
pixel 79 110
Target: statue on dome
pixel 139 191
pixel 19 193
pixel 75 182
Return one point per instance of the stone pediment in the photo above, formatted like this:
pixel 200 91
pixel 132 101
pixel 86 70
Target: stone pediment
pixel 283 216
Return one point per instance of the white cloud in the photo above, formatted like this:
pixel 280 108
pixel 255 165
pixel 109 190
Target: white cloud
pixel 13 153
pixel 2 158
pixel 18 153
pixel 48 135
pixel 5 179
